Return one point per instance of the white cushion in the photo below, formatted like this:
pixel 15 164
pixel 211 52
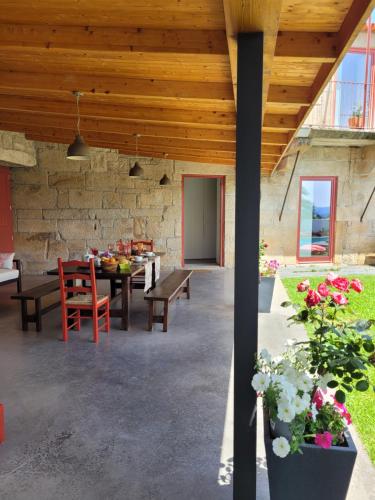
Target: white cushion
pixel 6 260
pixel 8 274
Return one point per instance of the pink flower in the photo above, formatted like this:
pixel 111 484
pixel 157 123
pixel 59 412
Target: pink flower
pixel 312 298
pixel 357 286
pixel 318 399
pixel 323 290
pixel 344 411
pixel 339 298
pixel 330 278
pixel 303 286
pixel 324 440
pixel 341 284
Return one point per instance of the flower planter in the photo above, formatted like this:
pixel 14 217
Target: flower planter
pixel 266 286
pixel 356 122
pixel 317 474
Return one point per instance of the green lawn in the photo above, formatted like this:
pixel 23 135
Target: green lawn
pixel 361 405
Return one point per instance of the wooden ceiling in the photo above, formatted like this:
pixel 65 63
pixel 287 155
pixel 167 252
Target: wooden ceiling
pixel 165 70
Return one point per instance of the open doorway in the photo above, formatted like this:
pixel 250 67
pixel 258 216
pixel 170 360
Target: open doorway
pixel 203 220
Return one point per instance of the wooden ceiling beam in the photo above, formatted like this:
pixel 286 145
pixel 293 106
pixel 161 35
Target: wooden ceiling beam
pixel 113 126
pixel 192 117
pixel 283 122
pixel 288 94
pixel 300 45
pixel 104 85
pixel 21 37
pixel 275 138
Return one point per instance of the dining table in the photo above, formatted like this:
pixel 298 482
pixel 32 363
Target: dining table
pixel 118 279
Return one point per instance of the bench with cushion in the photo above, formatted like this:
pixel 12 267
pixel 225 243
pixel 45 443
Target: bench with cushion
pixel 174 285
pixel 36 294
pixel 12 275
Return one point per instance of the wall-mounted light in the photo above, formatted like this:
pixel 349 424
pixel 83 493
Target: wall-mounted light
pixel 78 150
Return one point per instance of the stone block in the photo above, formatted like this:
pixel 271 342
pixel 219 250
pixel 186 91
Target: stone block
pixel 66 213
pixel 112 200
pixel 109 213
pixel 29 214
pixel 72 180
pixel 53 159
pixel 174 243
pixel 99 162
pixel 36 226
pixel 121 229
pixel 85 199
pixel 77 229
pixel 128 200
pixel 139 227
pixel 63 199
pixel 29 175
pixel 57 249
pixel 31 246
pixel 101 181
pixel 147 212
pixel 153 227
pixel 33 197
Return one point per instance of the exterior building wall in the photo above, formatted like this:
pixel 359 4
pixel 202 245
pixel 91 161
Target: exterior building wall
pixel 355 171
pixel 62 207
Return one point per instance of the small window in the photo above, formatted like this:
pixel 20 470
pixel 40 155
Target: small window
pixel 316 219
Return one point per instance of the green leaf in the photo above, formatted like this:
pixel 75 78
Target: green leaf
pixel 357 375
pixel 362 385
pixel 362 325
pixel 332 384
pixel 340 396
pixel 347 379
pixel 287 303
pixel 368 346
pixel 347 387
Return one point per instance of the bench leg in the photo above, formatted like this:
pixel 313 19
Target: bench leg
pixel 38 315
pixel 165 316
pixel 188 289
pixel 150 315
pixel 25 325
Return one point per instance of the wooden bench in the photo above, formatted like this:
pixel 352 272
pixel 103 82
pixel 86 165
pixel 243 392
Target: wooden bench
pixel 172 287
pixel 36 295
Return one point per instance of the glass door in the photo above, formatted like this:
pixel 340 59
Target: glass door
pixel 316 219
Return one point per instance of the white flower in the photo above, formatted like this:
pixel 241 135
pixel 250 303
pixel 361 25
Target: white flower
pixel 304 383
pixel 314 411
pixel 261 381
pixel 291 375
pixel 264 354
pixel 288 390
pixel 277 379
pixel 290 342
pixel 277 360
pixel 324 380
pixel 285 412
pixel 300 405
pixel 306 396
pixel 281 447
pixel 302 356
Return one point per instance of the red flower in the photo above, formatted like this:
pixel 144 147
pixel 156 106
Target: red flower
pixel 323 290
pixel 341 284
pixel 344 411
pixel 339 298
pixel 330 278
pixel 318 399
pixel 303 286
pixel 357 286
pixel 324 440
pixel 312 298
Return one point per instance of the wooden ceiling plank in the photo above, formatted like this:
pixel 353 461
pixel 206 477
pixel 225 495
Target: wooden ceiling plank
pixel 312 46
pixel 113 85
pixel 194 118
pixel 278 94
pixel 114 126
pixel 112 39
pixel 275 138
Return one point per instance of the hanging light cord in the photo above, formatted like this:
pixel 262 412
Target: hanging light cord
pixel 136 146
pixel 78 115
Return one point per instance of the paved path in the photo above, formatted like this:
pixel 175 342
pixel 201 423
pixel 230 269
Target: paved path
pixel 302 270
pixel 273 332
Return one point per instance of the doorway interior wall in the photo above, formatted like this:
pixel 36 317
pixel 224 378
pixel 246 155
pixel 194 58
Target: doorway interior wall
pixel 203 219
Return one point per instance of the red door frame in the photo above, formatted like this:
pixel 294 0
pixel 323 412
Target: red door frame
pixel 6 223
pixel 331 253
pixel 222 214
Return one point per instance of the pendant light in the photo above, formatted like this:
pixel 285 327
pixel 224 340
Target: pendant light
pixel 165 180
pixel 78 149
pixel 136 170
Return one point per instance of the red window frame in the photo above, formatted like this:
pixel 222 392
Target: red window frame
pixel 331 249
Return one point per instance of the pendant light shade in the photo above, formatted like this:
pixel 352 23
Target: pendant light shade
pixel 78 150
pixel 165 180
pixel 136 170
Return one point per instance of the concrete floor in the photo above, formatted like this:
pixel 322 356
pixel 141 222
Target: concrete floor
pixel 140 416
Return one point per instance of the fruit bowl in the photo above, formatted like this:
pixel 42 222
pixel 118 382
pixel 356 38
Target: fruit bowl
pixel 106 266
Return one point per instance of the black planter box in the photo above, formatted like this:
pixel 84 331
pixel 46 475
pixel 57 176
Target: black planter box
pixel 266 286
pixel 318 474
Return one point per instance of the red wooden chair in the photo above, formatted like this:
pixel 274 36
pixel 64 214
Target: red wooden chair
pixel 138 281
pixel 82 297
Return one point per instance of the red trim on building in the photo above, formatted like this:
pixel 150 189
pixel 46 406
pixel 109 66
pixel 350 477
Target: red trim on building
pixel 332 235
pixel 222 215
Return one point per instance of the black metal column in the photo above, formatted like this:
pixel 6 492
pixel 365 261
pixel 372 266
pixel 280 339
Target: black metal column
pixel 249 124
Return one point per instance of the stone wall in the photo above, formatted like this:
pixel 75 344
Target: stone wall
pixel 62 207
pixel 354 168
